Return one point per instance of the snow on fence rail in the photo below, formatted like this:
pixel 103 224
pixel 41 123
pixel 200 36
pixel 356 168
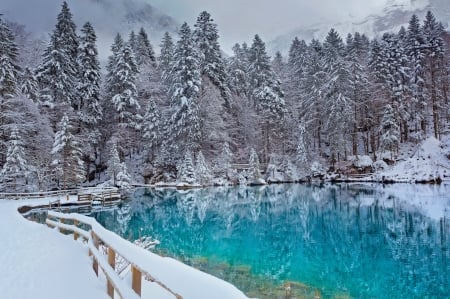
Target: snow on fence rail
pixel 42 194
pixel 99 235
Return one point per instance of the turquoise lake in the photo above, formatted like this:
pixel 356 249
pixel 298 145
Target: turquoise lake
pixel 332 241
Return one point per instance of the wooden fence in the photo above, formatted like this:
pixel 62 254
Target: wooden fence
pixel 62 193
pixel 98 236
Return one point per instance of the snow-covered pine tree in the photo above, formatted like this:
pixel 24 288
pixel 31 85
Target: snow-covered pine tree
pixel 89 77
pixel 396 71
pixel 336 95
pixel 144 50
pixel 390 133
pixel 264 87
pixel 297 61
pixel 123 178
pixel 267 96
pixel 223 165
pixel 414 47
pixel 9 69
pixel 186 171
pixel 359 89
pixel 121 79
pixel 151 126
pixel 212 64
pixel 254 172
pixel 435 64
pixel 184 127
pixel 16 166
pixel 166 57
pixel 202 170
pixel 58 71
pixel 279 66
pixel 67 151
pixel 237 71
pixel 113 164
pixel 29 86
pixel 132 42
pixel 311 106
pixel 301 153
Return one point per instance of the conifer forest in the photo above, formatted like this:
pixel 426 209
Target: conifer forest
pixel 181 110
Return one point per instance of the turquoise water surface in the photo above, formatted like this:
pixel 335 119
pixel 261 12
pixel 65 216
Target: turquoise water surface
pixel 335 241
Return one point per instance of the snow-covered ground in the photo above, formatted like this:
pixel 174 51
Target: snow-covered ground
pixel 42 263
pixel 428 163
pixel 38 262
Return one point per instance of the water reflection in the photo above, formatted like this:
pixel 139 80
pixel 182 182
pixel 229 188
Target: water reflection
pixel 365 241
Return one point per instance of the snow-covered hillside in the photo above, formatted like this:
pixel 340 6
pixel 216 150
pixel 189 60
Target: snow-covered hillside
pixel 428 163
pixel 394 15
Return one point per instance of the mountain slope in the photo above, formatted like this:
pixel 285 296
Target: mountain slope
pixel 395 14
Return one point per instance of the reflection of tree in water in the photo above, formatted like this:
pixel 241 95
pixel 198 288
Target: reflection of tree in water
pixel 359 240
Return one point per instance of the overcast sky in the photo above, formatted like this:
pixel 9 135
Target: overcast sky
pixel 239 20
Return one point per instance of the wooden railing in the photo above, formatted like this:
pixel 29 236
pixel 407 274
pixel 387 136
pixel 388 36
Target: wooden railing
pixel 42 194
pixel 98 236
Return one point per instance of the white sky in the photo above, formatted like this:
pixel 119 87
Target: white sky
pixel 239 20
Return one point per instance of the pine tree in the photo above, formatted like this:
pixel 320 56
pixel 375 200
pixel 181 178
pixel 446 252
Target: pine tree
pixel 67 152
pixel 359 92
pixel 396 71
pixel 151 126
pixel 297 60
pixel 89 84
pixel 121 80
pixel 16 165
pixel 29 85
pixel 144 50
pixel 114 165
pixel 337 101
pixel 9 69
pixel 301 154
pixel 59 69
pixel 186 172
pixel 185 82
pixel 202 170
pixel 123 177
pixel 166 57
pixel 434 55
pixel 132 42
pixel 311 106
pixel 389 130
pixel 415 52
pixel 211 62
pixel 223 165
pixel 254 171
pixel 237 71
pixel 264 88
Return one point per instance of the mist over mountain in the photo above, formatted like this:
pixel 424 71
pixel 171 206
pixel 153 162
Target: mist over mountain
pixel 395 14
pixel 107 17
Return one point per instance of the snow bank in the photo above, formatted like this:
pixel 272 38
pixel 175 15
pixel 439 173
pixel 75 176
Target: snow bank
pixel 429 163
pixel 38 262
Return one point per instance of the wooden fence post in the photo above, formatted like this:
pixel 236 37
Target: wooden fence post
pixel 61 221
pixel 136 280
pixel 94 261
pixel 75 234
pixel 112 263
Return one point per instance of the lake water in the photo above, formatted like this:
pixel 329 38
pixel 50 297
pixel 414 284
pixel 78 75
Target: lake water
pixel 334 241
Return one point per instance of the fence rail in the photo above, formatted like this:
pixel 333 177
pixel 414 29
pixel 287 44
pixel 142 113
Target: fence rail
pixel 42 194
pixel 97 235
